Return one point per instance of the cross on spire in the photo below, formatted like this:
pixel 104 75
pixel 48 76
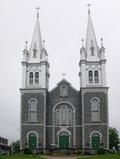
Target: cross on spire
pixel 89 5
pixel 63 74
pixel 38 8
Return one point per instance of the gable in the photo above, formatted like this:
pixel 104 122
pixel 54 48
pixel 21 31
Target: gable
pixel 63 89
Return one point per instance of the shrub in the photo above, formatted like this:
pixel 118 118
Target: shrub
pixel 27 151
pixel 77 152
pixel 101 151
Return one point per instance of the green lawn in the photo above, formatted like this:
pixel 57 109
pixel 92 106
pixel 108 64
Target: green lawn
pixel 111 156
pixel 18 156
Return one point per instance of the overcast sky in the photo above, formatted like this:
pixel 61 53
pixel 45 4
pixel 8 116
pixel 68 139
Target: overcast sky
pixel 63 25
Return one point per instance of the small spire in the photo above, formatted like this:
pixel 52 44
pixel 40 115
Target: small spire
pixel 37 11
pixel 101 42
pixel 82 42
pixel 26 47
pixel 90 37
pixel 26 44
pixel 44 44
pixel 89 5
pixel 36 43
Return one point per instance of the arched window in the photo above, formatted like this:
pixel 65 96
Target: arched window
pixel 57 117
pixel 37 78
pixel 64 115
pixel 32 111
pixel 31 78
pixel 96 77
pixel 70 117
pixel 95 110
pixel 63 91
pixel 90 76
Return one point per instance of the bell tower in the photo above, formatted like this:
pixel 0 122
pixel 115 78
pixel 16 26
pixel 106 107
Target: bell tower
pixel 94 90
pixel 35 84
pixel 92 60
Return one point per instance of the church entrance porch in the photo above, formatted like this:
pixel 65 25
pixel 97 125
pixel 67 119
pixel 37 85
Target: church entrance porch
pixel 95 141
pixel 32 141
pixel 64 140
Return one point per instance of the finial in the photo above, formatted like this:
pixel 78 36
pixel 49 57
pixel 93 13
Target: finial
pixel 82 42
pixel 44 44
pixel 26 43
pixel 37 11
pixel 101 42
pixel 89 5
pixel 63 74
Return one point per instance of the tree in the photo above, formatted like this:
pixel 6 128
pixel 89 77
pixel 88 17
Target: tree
pixel 16 146
pixel 113 138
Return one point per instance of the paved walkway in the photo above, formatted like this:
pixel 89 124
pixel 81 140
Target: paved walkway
pixel 67 157
pixel 62 157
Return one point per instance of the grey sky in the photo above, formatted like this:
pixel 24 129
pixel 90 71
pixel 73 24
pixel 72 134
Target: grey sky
pixel 63 25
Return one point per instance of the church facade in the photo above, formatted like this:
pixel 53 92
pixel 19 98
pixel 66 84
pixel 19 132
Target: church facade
pixel 64 117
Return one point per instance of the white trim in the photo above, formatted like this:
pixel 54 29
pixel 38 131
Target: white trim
pixel 98 109
pixel 64 103
pixel 32 99
pixel 107 121
pixel 69 134
pixel 53 123
pixel 97 123
pixel 93 99
pixel 29 108
pixel 33 124
pixel 83 118
pixel 30 132
pixel 72 126
pixel 90 136
pixel 44 138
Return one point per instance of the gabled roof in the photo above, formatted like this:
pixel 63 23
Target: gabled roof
pixel 62 82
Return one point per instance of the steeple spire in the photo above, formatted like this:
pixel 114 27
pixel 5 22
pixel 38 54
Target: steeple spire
pixel 89 8
pixel 91 42
pixel 38 11
pixel 36 44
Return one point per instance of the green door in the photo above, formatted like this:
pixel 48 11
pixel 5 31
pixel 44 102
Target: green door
pixel 32 141
pixel 64 142
pixel 95 141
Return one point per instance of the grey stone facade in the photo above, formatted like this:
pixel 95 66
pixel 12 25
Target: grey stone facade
pixel 64 117
pixel 82 126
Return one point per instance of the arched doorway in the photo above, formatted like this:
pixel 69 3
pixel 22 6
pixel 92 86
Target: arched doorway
pixel 32 141
pixel 95 141
pixel 64 140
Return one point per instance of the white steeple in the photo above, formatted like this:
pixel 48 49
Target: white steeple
pixel 91 42
pixel 36 44
pixel 92 60
pixel 35 66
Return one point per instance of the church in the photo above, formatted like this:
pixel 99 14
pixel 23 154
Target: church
pixel 64 117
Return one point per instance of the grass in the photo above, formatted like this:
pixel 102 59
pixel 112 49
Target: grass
pixel 108 156
pixel 19 156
